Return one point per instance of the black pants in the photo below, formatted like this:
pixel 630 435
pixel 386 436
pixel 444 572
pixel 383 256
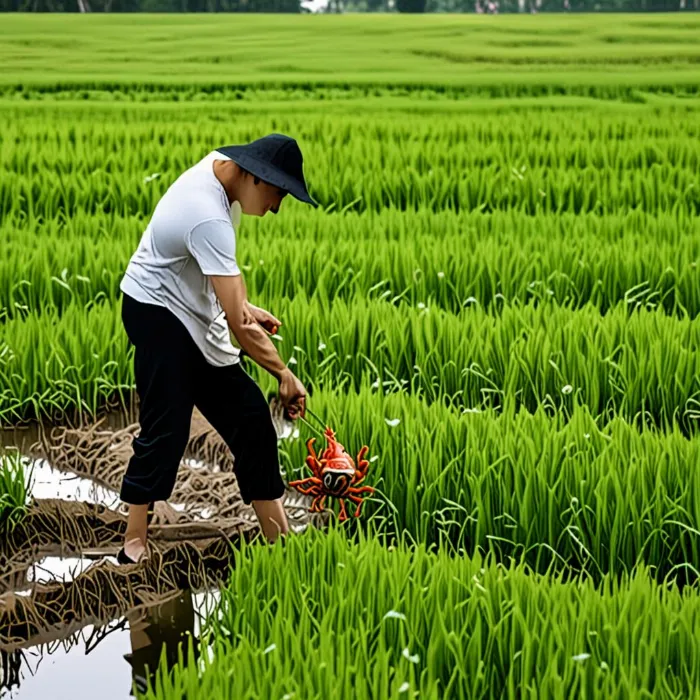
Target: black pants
pixel 172 376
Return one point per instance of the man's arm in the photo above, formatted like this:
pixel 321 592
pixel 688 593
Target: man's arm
pixel 230 290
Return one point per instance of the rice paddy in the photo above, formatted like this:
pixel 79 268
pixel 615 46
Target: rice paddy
pixel 500 295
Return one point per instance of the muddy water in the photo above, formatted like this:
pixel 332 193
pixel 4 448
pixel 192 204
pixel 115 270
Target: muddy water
pixel 107 661
pixel 45 481
pixel 22 436
pixel 100 660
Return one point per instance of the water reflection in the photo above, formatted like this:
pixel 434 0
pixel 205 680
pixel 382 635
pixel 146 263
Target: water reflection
pixel 59 669
pixel 165 630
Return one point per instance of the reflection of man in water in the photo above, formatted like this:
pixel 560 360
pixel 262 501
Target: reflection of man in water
pixel 164 626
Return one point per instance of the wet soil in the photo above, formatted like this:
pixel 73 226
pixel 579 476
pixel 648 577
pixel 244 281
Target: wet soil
pixel 58 573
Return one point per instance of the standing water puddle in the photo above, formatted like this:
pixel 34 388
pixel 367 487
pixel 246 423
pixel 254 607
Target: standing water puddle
pixel 103 661
pixel 69 651
pixel 45 481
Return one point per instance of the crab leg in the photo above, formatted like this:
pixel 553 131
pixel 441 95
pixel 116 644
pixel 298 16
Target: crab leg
pixel 315 508
pixel 362 464
pixel 312 460
pixel 314 465
pixel 315 484
pixel 359 501
pixel 343 514
pixel 361 489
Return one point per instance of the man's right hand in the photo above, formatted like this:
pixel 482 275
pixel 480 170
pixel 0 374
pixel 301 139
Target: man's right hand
pixel 292 395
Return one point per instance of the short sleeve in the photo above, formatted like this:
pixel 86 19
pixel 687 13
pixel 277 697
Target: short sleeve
pixel 212 243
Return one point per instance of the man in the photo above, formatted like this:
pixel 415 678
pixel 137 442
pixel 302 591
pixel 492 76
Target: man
pixel 182 293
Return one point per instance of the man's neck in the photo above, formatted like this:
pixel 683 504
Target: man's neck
pixel 226 183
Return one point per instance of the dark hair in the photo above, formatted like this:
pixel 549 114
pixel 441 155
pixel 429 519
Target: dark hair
pixel 256 179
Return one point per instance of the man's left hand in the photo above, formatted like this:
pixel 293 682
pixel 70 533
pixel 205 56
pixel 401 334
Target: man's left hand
pixel 269 322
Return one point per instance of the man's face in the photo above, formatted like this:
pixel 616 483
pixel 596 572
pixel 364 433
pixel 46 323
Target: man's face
pixel 257 200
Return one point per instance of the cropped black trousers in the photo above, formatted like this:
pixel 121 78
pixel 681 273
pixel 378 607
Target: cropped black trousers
pixel 172 377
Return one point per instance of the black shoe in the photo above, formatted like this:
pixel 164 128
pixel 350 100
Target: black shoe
pixel 124 558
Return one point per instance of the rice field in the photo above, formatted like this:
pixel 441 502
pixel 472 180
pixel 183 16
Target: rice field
pixel 500 296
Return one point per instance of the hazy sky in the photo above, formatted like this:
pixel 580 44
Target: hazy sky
pixel 314 5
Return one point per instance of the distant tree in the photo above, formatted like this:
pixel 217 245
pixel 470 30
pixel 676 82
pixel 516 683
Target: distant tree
pixel 410 5
pixel 339 6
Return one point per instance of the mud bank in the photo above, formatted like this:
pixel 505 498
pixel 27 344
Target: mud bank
pixel 72 540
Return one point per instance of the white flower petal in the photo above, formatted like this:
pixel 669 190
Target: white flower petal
pixel 272 647
pixel 581 657
pixel 393 422
pixel 374 459
pixel 292 360
pixel 441 275
pixel 421 305
pixel 404 687
pixel 322 346
pixel 276 337
pixel 567 389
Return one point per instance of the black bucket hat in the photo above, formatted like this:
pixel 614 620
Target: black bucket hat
pixel 276 159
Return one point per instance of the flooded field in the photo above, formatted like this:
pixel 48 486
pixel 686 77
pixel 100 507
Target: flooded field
pixel 495 308
pixel 70 616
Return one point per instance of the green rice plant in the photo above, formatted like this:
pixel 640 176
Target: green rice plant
pixel 539 354
pixel 437 451
pixel 53 368
pixel 555 53
pixel 443 258
pixel 562 163
pixel 510 90
pixel 554 491
pixel 501 301
pixel 321 617
pixel 14 489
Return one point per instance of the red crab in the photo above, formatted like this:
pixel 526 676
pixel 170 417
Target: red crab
pixel 334 474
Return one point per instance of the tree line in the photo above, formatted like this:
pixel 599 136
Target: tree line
pixel 338 6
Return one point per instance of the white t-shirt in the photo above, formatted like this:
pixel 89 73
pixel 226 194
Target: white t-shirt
pixel 190 235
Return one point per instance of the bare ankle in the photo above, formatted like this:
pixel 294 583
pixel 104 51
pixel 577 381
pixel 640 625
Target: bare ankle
pixel 272 518
pixel 134 548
